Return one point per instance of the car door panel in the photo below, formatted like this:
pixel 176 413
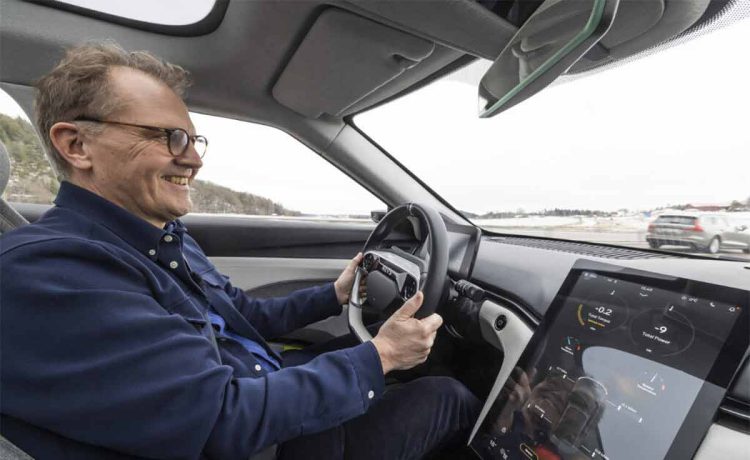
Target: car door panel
pixel 274 277
pixel 270 276
pixel 262 236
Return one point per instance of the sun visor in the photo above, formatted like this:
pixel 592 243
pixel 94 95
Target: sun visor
pixel 341 60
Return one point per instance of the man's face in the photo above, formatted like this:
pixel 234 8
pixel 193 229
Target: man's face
pixel 133 167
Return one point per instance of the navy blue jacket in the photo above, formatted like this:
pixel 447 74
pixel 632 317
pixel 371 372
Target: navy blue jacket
pixel 106 345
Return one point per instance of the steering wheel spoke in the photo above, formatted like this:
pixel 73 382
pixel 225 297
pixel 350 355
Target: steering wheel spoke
pixel 403 274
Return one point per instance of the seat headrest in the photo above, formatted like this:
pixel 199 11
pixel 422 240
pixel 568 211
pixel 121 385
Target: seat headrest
pixel 4 167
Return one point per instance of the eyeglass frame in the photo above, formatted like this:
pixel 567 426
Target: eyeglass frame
pixel 167 131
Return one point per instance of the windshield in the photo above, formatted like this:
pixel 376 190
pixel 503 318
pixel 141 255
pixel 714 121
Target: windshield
pixel 593 158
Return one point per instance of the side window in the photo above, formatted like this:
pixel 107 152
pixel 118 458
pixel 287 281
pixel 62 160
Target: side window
pixel 31 177
pixel 252 169
pixel 249 169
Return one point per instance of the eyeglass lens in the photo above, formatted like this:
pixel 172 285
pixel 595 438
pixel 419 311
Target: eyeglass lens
pixel 178 140
pixel 178 143
pixel 201 145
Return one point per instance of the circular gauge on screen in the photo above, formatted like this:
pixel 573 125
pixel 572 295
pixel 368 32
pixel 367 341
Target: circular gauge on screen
pixel 662 331
pixel 602 313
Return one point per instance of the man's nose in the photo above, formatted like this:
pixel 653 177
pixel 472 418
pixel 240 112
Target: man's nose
pixel 190 158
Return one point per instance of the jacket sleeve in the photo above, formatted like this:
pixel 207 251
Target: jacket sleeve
pixel 277 316
pixel 87 352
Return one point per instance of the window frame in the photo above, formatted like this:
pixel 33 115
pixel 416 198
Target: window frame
pixel 205 26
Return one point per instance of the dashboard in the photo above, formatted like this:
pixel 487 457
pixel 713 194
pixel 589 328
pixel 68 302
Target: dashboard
pixel 642 347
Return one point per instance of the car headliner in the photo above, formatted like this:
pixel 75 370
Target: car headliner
pixel 236 66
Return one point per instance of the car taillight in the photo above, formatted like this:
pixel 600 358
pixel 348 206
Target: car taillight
pixel 650 227
pixel 697 227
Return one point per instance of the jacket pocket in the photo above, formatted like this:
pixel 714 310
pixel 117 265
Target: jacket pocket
pixel 215 279
pixel 189 312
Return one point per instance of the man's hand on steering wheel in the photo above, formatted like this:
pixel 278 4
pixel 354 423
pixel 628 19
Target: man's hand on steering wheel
pixel 411 283
pixel 404 341
pixel 343 285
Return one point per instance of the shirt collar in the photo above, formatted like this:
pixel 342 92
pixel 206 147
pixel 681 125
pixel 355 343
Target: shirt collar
pixel 132 229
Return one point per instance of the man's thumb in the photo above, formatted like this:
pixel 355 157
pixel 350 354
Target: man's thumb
pixel 355 261
pixel 411 306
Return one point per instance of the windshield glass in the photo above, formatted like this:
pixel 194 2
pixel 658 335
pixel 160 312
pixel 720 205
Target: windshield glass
pixel 166 12
pixel 593 158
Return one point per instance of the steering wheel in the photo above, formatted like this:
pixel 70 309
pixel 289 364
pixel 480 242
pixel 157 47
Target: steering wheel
pixel 394 275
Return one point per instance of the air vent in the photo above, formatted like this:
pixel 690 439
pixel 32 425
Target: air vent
pixel 581 248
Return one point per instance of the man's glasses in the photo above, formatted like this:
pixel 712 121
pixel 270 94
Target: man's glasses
pixel 178 139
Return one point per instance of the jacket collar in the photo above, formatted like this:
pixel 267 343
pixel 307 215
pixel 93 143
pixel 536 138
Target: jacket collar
pixel 132 229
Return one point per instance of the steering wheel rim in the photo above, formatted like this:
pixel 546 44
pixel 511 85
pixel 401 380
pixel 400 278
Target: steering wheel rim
pixel 432 273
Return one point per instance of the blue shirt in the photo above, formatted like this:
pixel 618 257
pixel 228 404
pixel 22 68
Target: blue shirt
pixel 107 348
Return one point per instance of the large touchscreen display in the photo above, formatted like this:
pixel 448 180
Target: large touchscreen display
pixel 620 360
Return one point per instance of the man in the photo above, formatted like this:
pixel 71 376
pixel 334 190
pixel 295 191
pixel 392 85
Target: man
pixel 120 339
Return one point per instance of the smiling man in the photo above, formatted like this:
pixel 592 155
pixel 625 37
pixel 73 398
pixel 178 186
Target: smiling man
pixel 120 338
pixel 127 166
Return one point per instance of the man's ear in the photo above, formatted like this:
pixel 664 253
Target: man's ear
pixel 68 140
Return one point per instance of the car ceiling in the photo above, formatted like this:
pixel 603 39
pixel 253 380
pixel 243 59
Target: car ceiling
pixel 292 64
pixel 236 66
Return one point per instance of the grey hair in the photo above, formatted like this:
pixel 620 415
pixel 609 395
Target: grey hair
pixel 79 86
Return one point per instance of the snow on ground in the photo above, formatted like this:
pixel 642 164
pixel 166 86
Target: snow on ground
pixel 637 222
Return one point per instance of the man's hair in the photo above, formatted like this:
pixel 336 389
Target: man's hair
pixel 80 86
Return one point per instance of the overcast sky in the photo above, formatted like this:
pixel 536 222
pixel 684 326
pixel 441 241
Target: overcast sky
pixel 668 128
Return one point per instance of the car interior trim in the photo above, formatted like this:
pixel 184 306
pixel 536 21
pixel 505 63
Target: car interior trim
pixel 673 22
pixel 484 38
pixel 722 443
pixel 511 339
pixel 202 27
pixel 330 71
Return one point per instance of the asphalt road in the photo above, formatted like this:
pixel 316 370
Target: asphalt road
pixel 635 239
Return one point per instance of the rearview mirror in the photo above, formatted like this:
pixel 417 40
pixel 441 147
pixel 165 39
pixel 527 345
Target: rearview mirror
pixel 554 38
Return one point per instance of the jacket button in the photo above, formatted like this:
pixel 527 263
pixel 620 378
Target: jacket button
pixel 257 368
pixel 370 394
pixel 168 239
pixel 173 265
